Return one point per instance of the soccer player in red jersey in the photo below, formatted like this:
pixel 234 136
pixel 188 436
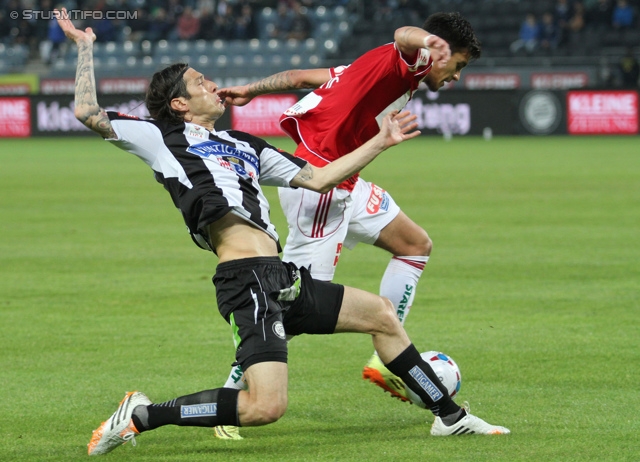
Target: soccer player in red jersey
pixel 342 113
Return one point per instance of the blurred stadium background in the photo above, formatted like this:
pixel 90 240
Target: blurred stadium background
pixel 567 46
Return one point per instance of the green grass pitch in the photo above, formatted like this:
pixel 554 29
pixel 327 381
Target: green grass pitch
pixel 533 287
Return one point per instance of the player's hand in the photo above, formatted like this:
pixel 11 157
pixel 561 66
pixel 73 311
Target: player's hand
pixel 70 30
pixel 440 51
pixel 236 96
pixel 398 127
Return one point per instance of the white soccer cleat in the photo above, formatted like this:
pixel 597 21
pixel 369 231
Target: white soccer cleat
pixel 119 428
pixel 227 432
pixel 468 425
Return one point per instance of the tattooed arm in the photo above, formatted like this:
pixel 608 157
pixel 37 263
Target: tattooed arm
pixel 87 109
pixel 282 81
pixel 396 128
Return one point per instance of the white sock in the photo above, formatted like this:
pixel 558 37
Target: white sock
pixel 399 282
pixel 236 379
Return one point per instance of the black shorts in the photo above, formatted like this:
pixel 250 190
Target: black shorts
pixel 248 292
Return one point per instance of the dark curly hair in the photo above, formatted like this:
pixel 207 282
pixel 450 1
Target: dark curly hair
pixel 166 85
pixel 456 31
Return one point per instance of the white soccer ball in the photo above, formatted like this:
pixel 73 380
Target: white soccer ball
pixel 447 371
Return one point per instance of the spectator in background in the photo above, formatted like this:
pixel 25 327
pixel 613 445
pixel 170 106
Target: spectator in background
pixel 208 26
pixel 23 34
pixel 577 20
pixel 188 25
pixel 224 23
pixel 139 27
pixel 160 25
pixel 244 27
pixel 105 29
pixel 549 34
pixel 4 27
pixel 40 28
pixel 629 70
pixel 11 21
pixel 282 23
pixel 56 39
pixel 599 15
pixel 623 15
pixel 562 12
pixel 174 10
pixel 301 26
pixel 528 36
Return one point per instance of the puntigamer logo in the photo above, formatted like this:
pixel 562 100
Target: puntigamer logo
pixel 427 385
pixel 199 410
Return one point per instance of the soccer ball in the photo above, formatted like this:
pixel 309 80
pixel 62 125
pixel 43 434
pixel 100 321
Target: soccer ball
pixel 447 371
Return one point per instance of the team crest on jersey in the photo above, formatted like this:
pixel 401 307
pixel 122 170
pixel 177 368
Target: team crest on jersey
pixel 197 132
pixel 378 200
pixel 278 329
pixel 245 164
pixel 305 104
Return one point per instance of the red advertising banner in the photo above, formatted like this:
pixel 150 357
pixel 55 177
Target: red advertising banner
pixel 260 117
pixel 492 81
pixel 15 117
pixel 602 112
pixel 57 86
pixel 123 85
pixel 559 80
pixel 14 89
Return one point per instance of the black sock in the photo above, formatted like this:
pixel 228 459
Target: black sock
pixel 418 375
pixel 207 408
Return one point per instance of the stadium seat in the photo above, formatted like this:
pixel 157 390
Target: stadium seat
pixel 148 62
pixel 258 60
pixel 183 46
pixel 239 61
pixel 146 47
pixel 330 46
pixel 310 45
pixel 221 61
pixel 200 46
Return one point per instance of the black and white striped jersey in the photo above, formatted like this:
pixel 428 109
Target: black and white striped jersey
pixel 208 174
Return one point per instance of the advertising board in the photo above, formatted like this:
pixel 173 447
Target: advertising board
pixel 602 112
pixel 260 117
pixel 15 117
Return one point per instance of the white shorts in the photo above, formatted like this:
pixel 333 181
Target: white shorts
pixel 320 224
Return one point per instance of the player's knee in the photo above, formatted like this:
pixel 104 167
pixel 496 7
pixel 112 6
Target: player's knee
pixel 423 244
pixel 386 318
pixel 418 243
pixel 268 412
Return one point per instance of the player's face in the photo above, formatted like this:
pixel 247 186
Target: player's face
pixel 204 101
pixel 436 78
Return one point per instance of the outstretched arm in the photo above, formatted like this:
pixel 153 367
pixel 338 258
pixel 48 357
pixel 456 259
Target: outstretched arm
pixel 396 128
pixel 87 109
pixel 282 81
pixel 409 39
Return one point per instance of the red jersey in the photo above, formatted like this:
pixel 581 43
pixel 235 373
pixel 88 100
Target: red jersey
pixel 345 112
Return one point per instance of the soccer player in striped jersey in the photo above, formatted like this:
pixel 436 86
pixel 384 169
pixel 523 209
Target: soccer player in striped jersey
pixel 214 178
pixel 343 113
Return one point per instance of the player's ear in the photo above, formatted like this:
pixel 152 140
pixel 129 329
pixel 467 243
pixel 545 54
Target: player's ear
pixel 179 104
